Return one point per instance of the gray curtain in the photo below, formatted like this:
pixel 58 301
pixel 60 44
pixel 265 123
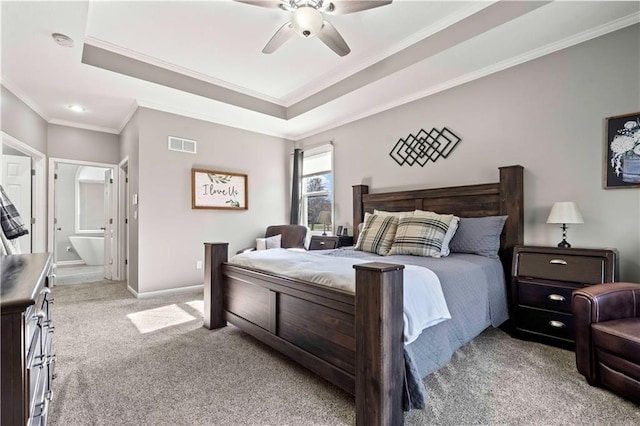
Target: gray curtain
pixel 296 186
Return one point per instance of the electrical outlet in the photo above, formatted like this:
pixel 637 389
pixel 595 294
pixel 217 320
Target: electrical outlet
pixel 199 264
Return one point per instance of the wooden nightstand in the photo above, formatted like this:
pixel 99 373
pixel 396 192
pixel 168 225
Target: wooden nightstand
pixel 542 281
pixel 345 241
pixel 323 242
pixel 319 242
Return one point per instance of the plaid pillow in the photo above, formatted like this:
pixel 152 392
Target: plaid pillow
pixel 377 234
pixel 421 234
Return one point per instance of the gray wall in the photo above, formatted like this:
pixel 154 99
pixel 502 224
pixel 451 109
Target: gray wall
pixel 171 233
pixel 84 145
pixel 21 122
pixel 129 138
pixel 547 115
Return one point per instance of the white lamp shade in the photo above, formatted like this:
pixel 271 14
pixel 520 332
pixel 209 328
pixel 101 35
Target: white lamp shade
pixel 324 217
pixel 306 21
pixel 565 212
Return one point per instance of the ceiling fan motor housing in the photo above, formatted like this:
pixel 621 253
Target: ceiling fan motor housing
pixel 306 21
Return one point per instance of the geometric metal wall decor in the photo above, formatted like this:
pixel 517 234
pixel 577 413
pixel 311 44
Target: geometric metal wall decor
pixel 424 147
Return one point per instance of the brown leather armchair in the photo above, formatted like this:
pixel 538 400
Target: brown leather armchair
pixel 293 236
pixel 607 334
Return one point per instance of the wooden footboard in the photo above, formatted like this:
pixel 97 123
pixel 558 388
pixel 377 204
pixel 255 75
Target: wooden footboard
pixel 354 342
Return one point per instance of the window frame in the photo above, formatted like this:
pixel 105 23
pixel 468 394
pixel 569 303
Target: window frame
pixel 330 192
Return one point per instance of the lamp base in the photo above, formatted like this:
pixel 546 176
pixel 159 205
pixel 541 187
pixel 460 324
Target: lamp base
pixel 564 243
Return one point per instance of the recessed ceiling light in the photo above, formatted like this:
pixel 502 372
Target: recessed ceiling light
pixel 62 39
pixel 77 108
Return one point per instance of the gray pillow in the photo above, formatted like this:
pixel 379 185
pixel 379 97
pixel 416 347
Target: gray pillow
pixel 478 235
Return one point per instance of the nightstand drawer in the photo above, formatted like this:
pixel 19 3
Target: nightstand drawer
pixel 548 323
pixel 323 243
pixel 539 295
pixel 563 267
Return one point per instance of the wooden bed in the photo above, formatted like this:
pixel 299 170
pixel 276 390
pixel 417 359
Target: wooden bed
pixel 353 341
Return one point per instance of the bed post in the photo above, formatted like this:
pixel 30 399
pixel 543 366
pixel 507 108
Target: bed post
pixel 379 344
pixel 215 254
pixel 512 204
pixel 358 210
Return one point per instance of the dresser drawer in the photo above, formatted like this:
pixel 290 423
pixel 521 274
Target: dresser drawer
pixel 548 323
pixel 545 296
pixel 562 267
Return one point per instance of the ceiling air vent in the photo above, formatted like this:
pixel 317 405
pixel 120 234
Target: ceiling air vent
pixel 182 145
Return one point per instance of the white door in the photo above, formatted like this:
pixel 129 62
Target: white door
pixel 109 202
pixel 16 181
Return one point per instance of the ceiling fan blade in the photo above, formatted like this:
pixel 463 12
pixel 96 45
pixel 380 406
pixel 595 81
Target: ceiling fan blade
pixel 283 34
pixel 262 3
pixel 332 38
pixel 343 7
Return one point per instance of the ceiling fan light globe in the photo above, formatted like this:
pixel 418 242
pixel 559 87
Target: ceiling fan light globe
pixel 306 21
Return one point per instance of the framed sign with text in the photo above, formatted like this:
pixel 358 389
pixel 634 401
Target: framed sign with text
pixel 211 189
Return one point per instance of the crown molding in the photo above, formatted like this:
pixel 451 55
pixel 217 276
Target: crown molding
pixel 595 32
pixel 176 68
pixel 24 98
pixel 84 126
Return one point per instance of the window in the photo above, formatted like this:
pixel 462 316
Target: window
pixel 317 190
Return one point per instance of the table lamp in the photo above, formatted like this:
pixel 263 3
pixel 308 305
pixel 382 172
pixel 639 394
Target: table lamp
pixel 564 212
pixel 324 217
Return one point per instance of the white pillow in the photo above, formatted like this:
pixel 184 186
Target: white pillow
pixel 453 227
pixel 269 243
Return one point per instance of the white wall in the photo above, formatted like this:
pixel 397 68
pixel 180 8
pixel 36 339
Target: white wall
pixel 171 233
pixel 547 115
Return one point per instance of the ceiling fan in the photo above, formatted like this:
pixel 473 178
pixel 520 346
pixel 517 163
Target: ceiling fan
pixel 307 20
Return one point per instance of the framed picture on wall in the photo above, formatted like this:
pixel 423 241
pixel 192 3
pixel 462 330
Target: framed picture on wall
pixel 622 152
pixel 212 189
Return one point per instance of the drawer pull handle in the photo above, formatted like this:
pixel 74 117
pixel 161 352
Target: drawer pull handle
pixel 558 262
pixel 557 324
pixel 321 243
pixel 556 297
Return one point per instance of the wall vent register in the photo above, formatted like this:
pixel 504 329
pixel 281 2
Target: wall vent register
pixel 182 145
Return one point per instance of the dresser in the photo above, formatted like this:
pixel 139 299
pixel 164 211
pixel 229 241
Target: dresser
pixel 27 334
pixel 542 281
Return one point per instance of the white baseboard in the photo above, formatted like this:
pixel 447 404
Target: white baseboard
pixel 164 292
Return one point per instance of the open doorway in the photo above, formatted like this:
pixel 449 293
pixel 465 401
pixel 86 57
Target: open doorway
pixel 83 236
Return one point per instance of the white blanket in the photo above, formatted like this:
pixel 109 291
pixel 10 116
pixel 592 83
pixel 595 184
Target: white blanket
pixel 424 303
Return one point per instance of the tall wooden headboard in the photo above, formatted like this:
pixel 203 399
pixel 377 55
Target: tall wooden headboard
pixel 505 197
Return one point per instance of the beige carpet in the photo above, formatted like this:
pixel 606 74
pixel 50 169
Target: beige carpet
pixel 127 361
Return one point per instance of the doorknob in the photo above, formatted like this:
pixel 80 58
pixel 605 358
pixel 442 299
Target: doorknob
pixel 59 229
